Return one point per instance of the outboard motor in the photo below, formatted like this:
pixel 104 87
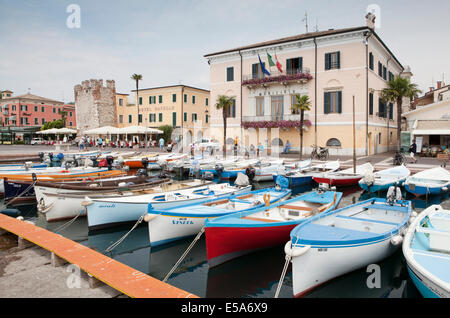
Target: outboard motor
pixel 41 156
pixel 219 169
pixel 94 161
pixel 145 163
pixel 208 175
pixel 394 194
pixel 250 172
pixel 142 172
pixel 59 157
pixel 109 161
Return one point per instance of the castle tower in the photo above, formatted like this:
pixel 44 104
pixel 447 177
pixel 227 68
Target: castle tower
pixel 95 104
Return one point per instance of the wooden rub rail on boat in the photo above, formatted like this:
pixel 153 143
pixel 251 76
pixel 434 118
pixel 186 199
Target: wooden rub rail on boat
pixel 119 276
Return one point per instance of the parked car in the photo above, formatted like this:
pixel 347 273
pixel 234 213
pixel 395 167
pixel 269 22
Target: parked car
pixel 36 141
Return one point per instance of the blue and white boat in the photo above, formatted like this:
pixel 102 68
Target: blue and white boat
pixel 176 223
pixel 426 248
pixel 19 167
pixel 382 180
pixel 112 211
pixel 429 182
pixel 304 174
pixel 339 242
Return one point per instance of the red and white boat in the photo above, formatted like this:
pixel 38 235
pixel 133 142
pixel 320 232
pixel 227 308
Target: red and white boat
pixel 345 177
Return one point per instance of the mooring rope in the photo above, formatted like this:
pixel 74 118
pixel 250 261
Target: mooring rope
pixel 184 254
pixel 119 241
pixel 67 224
pixel 283 273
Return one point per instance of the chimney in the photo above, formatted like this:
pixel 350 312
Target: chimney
pixel 370 20
pixel 439 84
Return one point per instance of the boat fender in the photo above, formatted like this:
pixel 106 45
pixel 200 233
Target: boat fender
pixel 396 240
pixel 148 217
pixel 86 203
pixel 20 218
pixel 444 189
pixel 11 212
pixel 296 251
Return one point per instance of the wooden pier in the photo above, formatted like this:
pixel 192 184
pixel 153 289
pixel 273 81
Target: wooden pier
pixel 119 276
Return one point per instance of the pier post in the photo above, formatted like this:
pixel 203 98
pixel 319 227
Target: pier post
pixel 94 282
pixel 23 243
pixel 57 261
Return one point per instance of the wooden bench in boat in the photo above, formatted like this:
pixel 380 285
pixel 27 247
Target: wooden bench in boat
pixel 305 208
pixel 245 196
pixel 217 202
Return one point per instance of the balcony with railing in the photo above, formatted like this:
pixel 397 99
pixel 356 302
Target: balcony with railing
pixel 275 121
pixel 302 75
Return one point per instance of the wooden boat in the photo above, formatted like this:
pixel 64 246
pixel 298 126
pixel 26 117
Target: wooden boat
pixel 426 248
pixel 264 170
pixel 176 223
pixel 107 212
pixel 344 177
pixel 304 175
pixel 384 179
pixel 429 182
pixel 135 162
pixel 57 205
pixel 241 233
pixel 333 244
pixel 26 190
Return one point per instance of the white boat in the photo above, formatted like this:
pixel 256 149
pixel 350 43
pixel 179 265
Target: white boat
pixel 264 170
pixel 339 242
pixel 60 203
pixel 384 179
pixel 107 212
pixel 345 177
pixel 429 182
pixel 168 225
pixel 426 248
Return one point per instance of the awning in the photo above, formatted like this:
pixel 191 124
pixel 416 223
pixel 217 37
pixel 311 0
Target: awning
pixel 422 132
pixel 431 127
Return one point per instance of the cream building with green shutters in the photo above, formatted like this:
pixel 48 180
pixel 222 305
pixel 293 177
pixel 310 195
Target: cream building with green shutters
pixel 333 67
pixel 186 108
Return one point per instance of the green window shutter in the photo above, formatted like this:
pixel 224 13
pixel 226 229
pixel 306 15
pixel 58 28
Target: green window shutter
pixel 339 102
pixel 130 118
pixel 371 104
pixel 160 99
pixel 326 104
pixel 185 98
pixel 185 117
pixel 338 59
pixel 140 100
pixel 206 102
pixel 300 64
pixel 206 118
pixel 255 70
pixel 149 99
pixel 391 110
pixel 174 119
pixel 174 98
pixel 327 61
pixel 193 99
pixel 140 118
pixel 288 64
pixel 160 117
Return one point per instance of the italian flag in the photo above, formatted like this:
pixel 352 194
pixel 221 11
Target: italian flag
pixel 276 63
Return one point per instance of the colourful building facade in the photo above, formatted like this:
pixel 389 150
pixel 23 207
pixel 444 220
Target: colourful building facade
pixel 336 69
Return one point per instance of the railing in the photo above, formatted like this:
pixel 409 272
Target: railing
pixel 277 77
pixel 294 117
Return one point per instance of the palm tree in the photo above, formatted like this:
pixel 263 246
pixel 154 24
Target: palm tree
pixel 302 103
pixel 396 90
pixel 225 103
pixel 137 78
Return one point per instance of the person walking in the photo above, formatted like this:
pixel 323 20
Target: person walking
pixel 413 150
pixel 161 143
pixel 235 146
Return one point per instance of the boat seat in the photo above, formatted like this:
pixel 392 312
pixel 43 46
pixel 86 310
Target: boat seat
pixel 245 196
pixel 320 208
pixel 365 220
pixel 217 202
pixel 258 219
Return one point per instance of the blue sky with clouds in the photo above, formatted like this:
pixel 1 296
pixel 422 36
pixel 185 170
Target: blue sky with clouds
pixel 165 40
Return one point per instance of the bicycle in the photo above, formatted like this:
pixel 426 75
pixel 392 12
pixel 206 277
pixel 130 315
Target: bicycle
pixel 399 158
pixel 321 155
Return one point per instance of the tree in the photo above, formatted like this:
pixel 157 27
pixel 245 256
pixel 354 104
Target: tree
pixel 396 90
pixel 167 129
pixel 137 78
pixel 302 103
pixel 224 103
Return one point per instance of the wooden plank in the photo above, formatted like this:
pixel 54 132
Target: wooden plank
pixel 119 276
pixel 258 219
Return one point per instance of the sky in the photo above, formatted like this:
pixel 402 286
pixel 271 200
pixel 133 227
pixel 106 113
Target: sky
pixel 166 40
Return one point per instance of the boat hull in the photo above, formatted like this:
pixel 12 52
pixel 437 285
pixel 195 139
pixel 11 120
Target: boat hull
pixel 420 190
pixel 337 182
pixel 226 243
pixel 379 187
pixel 324 263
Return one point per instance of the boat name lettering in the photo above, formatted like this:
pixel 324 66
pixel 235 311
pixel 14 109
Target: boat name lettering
pixel 322 249
pixel 111 205
pixel 182 221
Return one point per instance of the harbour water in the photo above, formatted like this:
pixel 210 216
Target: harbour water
pixel 252 276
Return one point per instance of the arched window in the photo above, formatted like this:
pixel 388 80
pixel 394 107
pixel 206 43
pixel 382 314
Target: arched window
pixel 333 142
pixel 277 142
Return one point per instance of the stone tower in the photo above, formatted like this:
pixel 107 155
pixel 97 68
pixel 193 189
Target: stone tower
pixel 95 104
